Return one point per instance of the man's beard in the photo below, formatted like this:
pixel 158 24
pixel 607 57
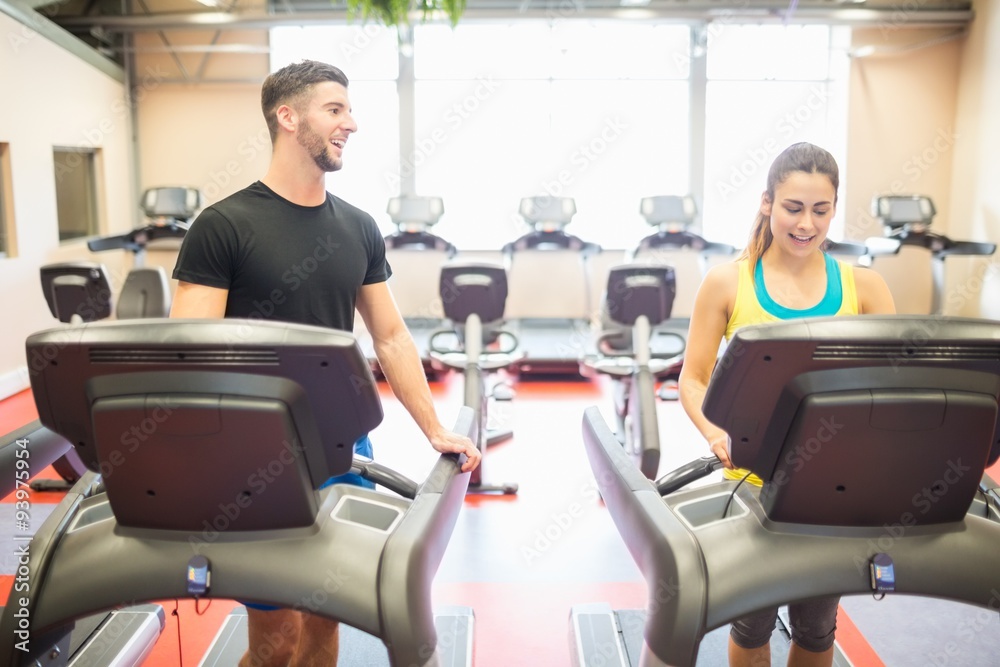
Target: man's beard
pixel 318 148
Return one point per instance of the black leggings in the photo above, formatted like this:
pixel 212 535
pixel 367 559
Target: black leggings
pixel 814 623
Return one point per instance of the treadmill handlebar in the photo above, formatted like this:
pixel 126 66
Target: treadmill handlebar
pixel 687 473
pixel 31 440
pixel 137 239
pixel 387 477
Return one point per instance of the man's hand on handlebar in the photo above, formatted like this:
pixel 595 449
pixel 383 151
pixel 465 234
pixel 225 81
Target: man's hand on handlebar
pixel 448 442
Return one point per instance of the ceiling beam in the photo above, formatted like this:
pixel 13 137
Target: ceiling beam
pixel 248 20
pixel 35 23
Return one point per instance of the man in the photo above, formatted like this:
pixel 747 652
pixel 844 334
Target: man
pixel 286 249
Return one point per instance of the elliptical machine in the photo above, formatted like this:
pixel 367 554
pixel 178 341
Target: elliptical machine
pixel 169 212
pixel 416 256
pixel 80 292
pixel 549 273
pixel 676 243
pixel 638 297
pixel 474 295
pixel 76 293
pixel 916 276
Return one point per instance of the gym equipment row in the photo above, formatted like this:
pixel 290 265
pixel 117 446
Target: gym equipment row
pixel 557 281
pixel 81 292
pixel 551 318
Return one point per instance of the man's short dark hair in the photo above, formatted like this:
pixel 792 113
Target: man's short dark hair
pixel 290 83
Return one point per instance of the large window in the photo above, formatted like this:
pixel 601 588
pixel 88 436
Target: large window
pixel 7 239
pixel 602 111
pixel 77 204
pixel 555 115
pixel 768 87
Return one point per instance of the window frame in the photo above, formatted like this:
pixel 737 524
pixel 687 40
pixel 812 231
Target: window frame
pixel 8 226
pixel 94 183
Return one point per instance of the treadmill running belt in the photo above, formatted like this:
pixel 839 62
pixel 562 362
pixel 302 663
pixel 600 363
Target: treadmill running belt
pixel 713 651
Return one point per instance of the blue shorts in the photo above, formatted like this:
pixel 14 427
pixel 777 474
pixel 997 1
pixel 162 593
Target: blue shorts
pixel 363 447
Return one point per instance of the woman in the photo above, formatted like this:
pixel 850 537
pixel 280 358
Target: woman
pixel 782 274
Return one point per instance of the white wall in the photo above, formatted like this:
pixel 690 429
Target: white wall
pixel 52 98
pixel 975 200
pixel 920 123
pixel 197 133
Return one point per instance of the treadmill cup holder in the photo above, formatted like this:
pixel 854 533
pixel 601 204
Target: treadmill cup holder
pixel 369 513
pixel 707 510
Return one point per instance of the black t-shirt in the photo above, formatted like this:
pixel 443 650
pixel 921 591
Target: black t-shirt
pixel 282 261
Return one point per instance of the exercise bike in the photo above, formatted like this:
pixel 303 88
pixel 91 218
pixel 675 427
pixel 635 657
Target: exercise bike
pixel 473 295
pixel 638 297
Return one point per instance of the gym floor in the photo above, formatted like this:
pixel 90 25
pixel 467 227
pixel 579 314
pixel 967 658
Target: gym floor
pixel 521 562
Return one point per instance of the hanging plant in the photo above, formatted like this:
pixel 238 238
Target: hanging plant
pixel 396 13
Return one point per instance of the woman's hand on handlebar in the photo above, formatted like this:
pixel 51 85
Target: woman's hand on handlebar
pixel 720 447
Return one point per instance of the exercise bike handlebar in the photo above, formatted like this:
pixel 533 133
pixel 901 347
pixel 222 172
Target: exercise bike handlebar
pixel 474 352
pixel 687 473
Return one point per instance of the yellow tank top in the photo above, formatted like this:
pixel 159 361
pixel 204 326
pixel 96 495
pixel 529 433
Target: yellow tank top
pixel 755 306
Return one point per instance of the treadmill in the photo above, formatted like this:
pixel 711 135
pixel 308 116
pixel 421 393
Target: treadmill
pixel 121 637
pixel 863 429
pixel 550 305
pixel 254 420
